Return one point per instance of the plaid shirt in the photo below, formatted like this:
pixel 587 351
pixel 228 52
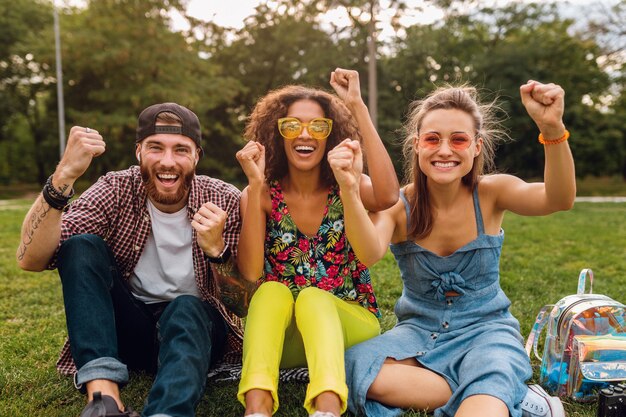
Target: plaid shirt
pixel 115 209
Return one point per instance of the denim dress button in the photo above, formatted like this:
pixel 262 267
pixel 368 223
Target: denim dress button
pixel 433 336
pixel 449 302
pixel 445 324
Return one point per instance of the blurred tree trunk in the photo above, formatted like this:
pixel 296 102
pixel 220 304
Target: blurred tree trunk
pixel 371 64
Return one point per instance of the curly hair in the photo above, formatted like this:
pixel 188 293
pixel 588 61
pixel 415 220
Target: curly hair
pixel 262 127
pixel 486 125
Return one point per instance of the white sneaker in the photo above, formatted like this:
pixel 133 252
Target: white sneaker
pixel 538 403
pixel 323 414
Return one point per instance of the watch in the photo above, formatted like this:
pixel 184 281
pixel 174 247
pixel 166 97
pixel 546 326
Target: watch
pixel 222 258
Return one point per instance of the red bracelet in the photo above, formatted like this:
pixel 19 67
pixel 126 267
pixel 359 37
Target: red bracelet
pixel 545 141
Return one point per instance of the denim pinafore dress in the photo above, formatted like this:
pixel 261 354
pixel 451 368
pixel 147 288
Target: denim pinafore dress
pixel 471 340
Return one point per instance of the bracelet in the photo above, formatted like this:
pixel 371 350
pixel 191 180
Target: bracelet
pixel 54 197
pixel 56 193
pixel 222 258
pixel 55 203
pixel 545 141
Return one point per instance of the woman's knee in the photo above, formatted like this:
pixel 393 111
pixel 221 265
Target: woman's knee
pixel 312 300
pixel 271 296
pixel 275 288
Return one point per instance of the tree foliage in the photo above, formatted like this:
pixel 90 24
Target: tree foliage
pixel 120 56
pixel 25 84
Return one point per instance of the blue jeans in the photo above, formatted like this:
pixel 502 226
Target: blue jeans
pixel 109 329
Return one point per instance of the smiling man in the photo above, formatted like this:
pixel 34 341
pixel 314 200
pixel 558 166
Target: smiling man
pixel 142 256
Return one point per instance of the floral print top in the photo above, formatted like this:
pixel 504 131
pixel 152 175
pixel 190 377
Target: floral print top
pixel 325 261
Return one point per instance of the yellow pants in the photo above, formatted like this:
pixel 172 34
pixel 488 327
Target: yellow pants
pixel 313 330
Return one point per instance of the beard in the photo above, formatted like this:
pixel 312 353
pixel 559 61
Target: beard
pixel 149 177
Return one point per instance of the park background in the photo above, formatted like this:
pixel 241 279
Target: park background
pixel 119 56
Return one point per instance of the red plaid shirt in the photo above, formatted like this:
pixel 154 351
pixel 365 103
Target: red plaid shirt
pixel 114 208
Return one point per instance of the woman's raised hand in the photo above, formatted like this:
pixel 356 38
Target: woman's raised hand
pixel 347 86
pixel 252 160
pixel 545 104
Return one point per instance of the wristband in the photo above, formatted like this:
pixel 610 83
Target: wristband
pixel 54 197
pixel 56 193
pixel 545 141
pixel 55 203
pixel 222 258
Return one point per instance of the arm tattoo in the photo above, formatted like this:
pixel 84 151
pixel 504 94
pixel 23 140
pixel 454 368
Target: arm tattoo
pixel 234 291
pixel 63 188
pixel 37 216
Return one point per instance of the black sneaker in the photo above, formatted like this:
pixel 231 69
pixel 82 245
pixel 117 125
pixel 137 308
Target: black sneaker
pixel 105 406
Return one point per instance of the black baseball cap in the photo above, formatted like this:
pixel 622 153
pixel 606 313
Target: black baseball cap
pixel 190 125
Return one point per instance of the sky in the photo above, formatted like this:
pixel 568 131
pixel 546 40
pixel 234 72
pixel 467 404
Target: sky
pixel 233 12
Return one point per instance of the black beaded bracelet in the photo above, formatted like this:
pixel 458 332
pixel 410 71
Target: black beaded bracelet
pixel 56 193
pixel 55 203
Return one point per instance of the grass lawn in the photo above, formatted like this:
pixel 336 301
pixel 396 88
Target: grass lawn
pixel 540 264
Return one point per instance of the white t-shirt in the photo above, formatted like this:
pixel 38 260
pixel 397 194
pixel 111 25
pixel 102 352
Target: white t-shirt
pixel 165 268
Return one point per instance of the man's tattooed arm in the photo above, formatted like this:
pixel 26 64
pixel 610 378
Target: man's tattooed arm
pixel 41 209
pixel 37 242
pixel 234 291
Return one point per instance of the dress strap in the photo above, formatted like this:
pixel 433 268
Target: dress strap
pixel 407 208
pixel 478 213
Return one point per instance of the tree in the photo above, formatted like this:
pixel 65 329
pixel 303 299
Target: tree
pixel 497 50
pixel 25 86
pixel 364 17
pixel 121 56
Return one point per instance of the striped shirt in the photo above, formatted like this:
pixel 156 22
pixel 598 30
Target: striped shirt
pixel 115 209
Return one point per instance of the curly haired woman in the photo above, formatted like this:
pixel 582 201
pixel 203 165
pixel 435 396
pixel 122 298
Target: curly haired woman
pixel 315 297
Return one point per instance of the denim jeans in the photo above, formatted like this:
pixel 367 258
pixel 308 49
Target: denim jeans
pixel 109 329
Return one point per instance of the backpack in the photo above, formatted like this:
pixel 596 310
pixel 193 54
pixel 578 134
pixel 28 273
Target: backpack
pixel 585 343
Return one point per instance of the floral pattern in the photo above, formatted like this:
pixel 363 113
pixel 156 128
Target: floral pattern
pixel 325 261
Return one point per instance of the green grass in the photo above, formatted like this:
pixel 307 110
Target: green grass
pixel 540 263
pixel 601 186
pixel 589 186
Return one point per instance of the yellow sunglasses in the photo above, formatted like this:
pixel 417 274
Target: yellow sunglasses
pixel 291 128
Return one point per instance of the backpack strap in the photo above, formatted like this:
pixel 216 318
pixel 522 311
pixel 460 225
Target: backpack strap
pixel 587 272
pixel 535 333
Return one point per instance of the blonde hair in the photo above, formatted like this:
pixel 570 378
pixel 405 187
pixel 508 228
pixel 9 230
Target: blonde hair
pixel 486 125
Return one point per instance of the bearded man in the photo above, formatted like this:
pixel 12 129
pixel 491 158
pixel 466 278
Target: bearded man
pixel 140 255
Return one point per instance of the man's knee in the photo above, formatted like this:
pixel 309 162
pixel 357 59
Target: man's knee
pixel 184 307
pixel 187 313
pixel 85 256
pixel 84 243
pixel 188 319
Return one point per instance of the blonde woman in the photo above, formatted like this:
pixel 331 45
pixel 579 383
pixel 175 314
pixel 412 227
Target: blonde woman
pixel 456 348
